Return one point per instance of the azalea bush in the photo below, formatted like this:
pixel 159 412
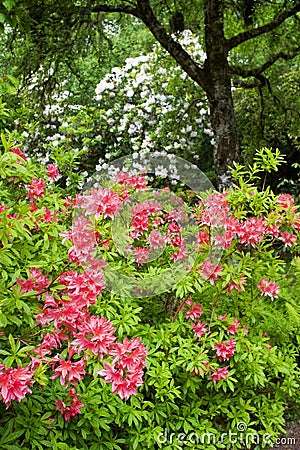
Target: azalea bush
pixel 88 364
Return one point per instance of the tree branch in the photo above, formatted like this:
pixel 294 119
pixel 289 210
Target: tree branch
pixel 198 74
pixel 118 8
pixel 256 72
pixel 270 26
pixel 144 12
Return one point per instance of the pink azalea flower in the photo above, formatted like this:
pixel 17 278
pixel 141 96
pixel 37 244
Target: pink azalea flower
pixel 69 372
pixel 96 334
pixel 71 407
pixel 195 312
pixel 252 231
pixel 48 216
pixel 14 383
pixel 223 317
pixel 180 255
pixel 288 238
pixel 232 329
pixel 52 171
pixel 131 181
pixel 126 371
pixel 141 255
pixel 36 188
pixel 199 329
pixel 236 286
pixel 147 207
pixel 211 271
pixel 285 200
pixel 140 222
pixel 102 201
pixel 220 374
pixel 156 240
pixel 268 287
pixel 35 282
pixel 18 152
pixel 225 350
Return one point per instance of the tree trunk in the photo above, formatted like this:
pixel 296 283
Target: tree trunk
pixel 222 115
pixel 226 148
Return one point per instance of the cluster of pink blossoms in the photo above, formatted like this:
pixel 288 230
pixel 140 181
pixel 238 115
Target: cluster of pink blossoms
pixel 268 287
pixel 224 350
pixel 35 282
pixel 15 383
pixel 67 311
pixel 220 227
pixel 126 369
pixel 71 406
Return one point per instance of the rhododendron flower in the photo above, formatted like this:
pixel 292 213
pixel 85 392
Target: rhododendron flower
pixel 71 407
pixel 18 152
pixel 288 238
pixel 220 374
pixel 33 207
pixel 35 282
pixel 14 383
pixel 82 234
pixel 177 241
pixel 140 222
pixel 129 353
pixel 180 255
pixel 141 255
pixel 224 350
pixel 48 216
pixel 274 230
pixel 252 231
pixel 156 240
pixel 223 240
pixel 36 188
pixel 195 312
pixel 232 328
pixel 131 181
pixel 147 207
pixel 69 372
pixel 202 237
pixel 268 287
pixel 216 210
pixel 52 171
pixel 123 384
pixel 173 228
pixel 210 270
pixel 236 285
pixel 199 328
pixel 126 371
pixel 102 201
pixel 223 317
pixel 95 334
pixel 285 200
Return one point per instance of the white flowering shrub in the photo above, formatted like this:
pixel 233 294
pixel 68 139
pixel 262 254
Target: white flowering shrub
pixel 149 104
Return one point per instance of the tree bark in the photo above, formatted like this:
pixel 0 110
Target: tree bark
pixel 215 76
pixel 223 121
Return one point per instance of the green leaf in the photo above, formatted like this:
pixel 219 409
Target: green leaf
pixel 11 437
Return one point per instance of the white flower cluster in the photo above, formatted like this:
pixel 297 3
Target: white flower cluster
pixel 148 105
pixel 151 104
